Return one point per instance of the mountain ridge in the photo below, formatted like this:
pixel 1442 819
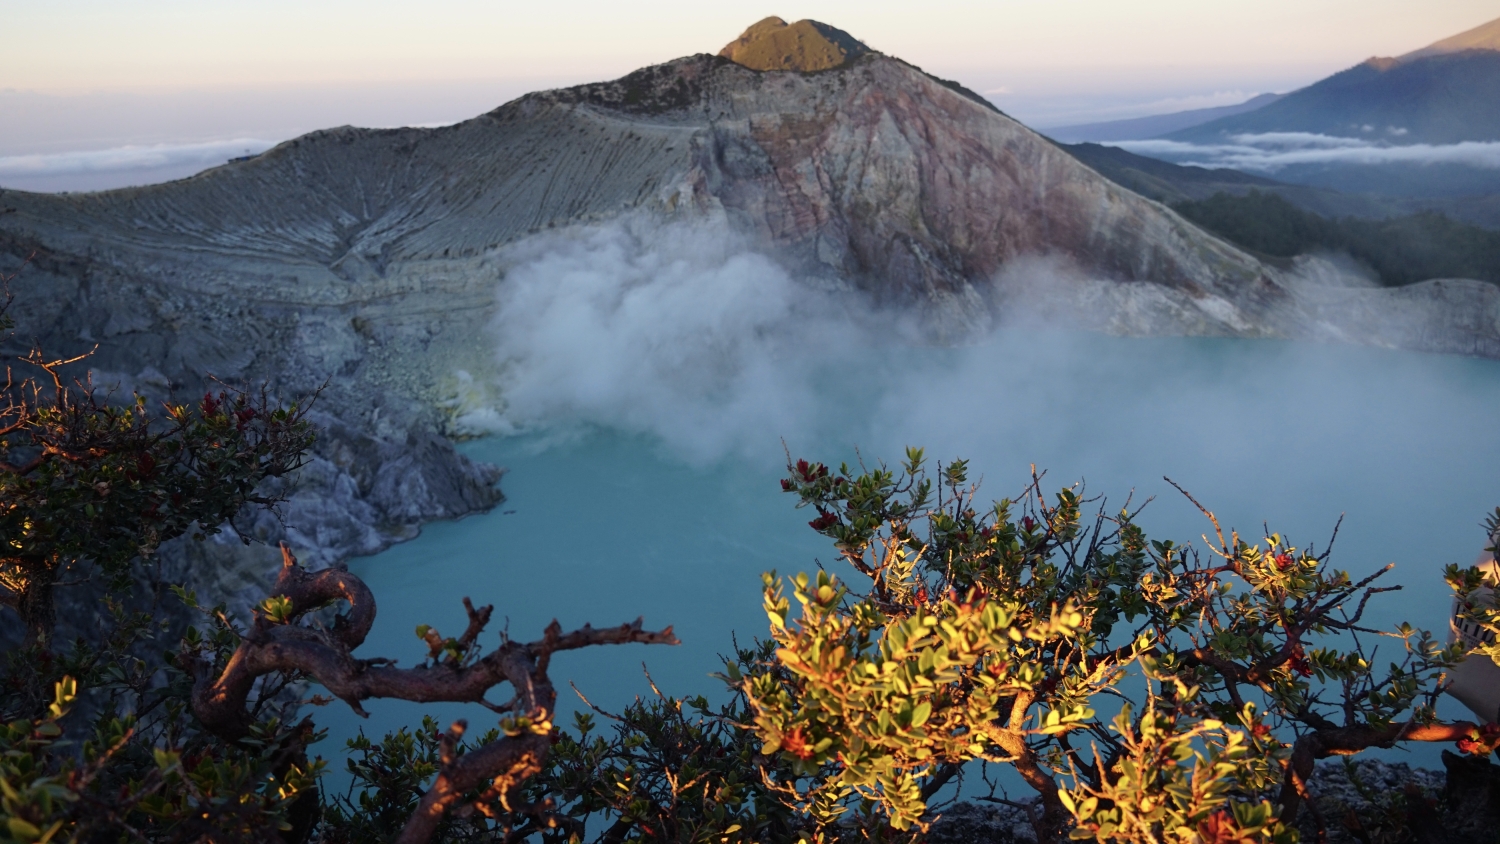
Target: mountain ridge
pixel 661 96
pixel 1486 36
pixel 1443 98
pixel 367 262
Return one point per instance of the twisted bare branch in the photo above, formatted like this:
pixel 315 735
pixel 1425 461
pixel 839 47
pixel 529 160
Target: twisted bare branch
pixel 277 643
pixel 1347 741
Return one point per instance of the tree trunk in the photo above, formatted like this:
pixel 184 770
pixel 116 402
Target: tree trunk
pixel 35 601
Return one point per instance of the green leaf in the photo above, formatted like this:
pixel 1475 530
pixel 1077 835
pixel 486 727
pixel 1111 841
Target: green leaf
pixel 21 830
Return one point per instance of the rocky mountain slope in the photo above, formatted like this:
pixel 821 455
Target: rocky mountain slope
pixel 1444 98
pixel 1486 36
pixel 368 260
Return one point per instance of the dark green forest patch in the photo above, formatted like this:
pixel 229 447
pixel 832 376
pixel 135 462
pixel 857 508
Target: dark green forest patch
pixel 1397 251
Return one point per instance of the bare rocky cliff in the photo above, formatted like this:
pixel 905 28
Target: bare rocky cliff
pixel 368 259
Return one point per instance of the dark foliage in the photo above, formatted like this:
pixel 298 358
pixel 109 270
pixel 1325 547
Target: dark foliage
pixel 90 483
pixel 1402 250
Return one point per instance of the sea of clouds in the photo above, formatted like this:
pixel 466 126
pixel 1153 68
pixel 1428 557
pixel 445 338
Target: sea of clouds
pixel 130 158
pixel 120 166
pixel 1270 152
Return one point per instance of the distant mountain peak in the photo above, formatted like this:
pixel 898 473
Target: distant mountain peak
pixel 1483 37
pixel 807 45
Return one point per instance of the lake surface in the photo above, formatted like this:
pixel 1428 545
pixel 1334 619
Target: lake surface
pixel 603 523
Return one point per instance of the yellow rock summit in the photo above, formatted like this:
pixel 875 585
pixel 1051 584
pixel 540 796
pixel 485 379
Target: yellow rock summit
pixel 773 44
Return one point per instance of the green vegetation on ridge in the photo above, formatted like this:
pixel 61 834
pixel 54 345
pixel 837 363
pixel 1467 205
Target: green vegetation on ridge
pixel 1398 251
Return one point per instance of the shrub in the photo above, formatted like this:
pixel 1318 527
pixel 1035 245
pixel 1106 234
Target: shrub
pixel 998 634
pixel 86 483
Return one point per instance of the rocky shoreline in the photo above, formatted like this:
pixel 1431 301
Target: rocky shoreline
pixel 1359 801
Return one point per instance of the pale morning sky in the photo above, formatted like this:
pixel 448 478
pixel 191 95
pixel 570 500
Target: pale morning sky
pixel 81 75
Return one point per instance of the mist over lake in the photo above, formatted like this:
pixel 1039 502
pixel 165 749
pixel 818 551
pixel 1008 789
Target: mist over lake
pixel 603 524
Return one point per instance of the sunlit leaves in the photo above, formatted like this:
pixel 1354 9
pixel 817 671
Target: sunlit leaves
pixel 992 632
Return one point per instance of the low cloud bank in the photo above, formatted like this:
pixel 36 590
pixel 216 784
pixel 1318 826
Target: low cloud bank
pixel 102 169
pixel 116 159
pixel 1273 151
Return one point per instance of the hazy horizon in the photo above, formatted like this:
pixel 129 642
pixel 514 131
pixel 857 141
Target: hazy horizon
pixel 155 90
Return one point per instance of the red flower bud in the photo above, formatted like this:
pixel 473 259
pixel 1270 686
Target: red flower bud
pixel 824 521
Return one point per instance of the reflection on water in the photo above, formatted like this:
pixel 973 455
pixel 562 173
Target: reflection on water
pixel 601 526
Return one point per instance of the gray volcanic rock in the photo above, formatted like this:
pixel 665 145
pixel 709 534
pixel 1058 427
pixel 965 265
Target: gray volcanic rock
pixel 873 177
pixel 368 260
pixel 878 177
pixel 1360 800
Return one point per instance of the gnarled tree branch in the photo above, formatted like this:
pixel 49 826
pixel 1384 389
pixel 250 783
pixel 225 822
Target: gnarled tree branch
pixel 272 645
pixel 1347 741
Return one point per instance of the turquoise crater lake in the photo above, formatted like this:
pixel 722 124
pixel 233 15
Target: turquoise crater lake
pixel 603 523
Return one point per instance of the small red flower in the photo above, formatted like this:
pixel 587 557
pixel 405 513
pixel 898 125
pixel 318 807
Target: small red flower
pixel 1299 662
pixel 1027 523
pixel 796 743
pixel 824 521
pixel 810 472
pixel 922 595
pixel 1260 731
pixel 1468 746
pixel 786 484
pixel 1283 561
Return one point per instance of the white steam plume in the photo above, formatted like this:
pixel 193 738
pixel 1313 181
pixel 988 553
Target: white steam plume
pixel 682 333
pixel 688 336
